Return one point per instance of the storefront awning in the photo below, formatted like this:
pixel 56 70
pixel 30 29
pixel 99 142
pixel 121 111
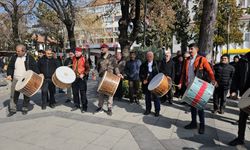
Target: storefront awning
pixel 236 51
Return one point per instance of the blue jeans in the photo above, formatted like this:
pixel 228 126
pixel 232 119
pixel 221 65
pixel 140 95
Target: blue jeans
pixel 148 98
pixel 200 113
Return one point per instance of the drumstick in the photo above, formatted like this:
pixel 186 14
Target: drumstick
pixel 174 84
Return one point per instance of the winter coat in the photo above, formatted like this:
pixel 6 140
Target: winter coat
pixel 224 75
pixel 47 67
pixel 30 64
pixel 132 69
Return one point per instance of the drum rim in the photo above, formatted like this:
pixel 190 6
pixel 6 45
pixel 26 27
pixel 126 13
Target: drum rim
pixel 100 83
pixel 60 77
pixel 162 75
pixel 27 75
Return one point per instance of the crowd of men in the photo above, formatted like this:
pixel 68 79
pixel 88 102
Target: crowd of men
pixel 233 78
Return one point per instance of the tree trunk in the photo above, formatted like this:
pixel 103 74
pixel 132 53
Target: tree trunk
pixel 123 28
pixel 71 35
pixel 207 26
pixel 184 45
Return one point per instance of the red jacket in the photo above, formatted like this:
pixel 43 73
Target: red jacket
pixel 83 67
pixel 204 65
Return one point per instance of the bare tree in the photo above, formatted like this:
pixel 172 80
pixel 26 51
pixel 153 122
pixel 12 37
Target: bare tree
pixel 66 13
pixel 16 9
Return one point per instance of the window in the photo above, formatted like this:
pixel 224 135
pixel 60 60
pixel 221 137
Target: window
pixel 247 37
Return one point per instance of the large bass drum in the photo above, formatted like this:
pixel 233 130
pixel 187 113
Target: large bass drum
pixel 30 83
pixel 160 85
pixel 198 93
pixel 63 77
pixel 109 84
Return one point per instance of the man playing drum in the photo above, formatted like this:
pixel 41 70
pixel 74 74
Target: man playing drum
pixel 18 65
pixel 79 86
pixel 148 70
pixel 191 65
pixel 106 63
pixel 47 66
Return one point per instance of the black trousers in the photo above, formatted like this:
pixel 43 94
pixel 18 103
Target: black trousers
pixel 48 92
pixel 79 88
pixel 220 97
pixel 119 92
pixel 169 96
pixel 133 89
pixel 242 125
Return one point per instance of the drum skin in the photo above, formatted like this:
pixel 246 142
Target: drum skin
pixel 108 84
pixel 160 85
pixel 30 83
pixel 244 102
pixel 198 93
pixel 63 77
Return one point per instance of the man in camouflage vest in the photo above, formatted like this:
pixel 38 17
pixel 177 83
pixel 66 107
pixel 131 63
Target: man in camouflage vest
pixel 107 62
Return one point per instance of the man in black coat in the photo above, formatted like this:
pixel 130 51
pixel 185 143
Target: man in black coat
pixel 18 65
pixel 167 68
pixel 233 89
pixel 47 66
pixel 148 70
pixel 223 75
pixel 243 74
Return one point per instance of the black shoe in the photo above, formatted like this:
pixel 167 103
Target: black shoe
pixel 99 110
pixel 83 110
pixel 236 142
pixel 43 107
pixel 215 111
pixel 74 108
pixel 11 113
pixel 221 111
pixel 24 112
pixel 202 129
pixel 68 101
pixel 170 102
pixel 191 126
pixel 109 112
pixel 61 91
pixel 52 105
pixel 157 114
pixel 146 112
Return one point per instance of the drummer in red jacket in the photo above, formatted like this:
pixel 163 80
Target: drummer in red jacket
pixel 189 72
pixel 79 86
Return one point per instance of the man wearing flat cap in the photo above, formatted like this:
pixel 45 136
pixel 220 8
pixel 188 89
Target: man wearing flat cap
pixel 106 62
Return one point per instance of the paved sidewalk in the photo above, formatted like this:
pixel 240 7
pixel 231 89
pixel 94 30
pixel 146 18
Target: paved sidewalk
pixel 128 128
